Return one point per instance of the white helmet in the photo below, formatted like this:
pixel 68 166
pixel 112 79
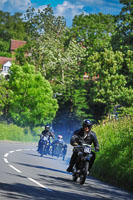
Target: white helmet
pixel 60 137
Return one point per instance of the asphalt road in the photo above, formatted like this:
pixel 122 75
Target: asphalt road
pixel 26 175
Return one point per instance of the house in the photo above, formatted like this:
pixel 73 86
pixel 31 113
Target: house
pixel 15 44
pixel 5 62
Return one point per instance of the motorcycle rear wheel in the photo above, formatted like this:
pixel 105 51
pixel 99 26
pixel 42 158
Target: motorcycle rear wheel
pixel 84 173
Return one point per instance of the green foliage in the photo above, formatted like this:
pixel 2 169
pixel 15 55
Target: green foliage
pixel 12 132
pixel 3 95
pixel 94 30
pixel 11 26
pixel 127 111
pixel 5 54
pixel 110 88
pixel 123 38
pixel 79 99
pixel 127 67
pixel 57 58
pixel 31 100
pixel 116 153
pixel 4 46
pixel 38 22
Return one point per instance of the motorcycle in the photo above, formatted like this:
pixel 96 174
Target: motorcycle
pixel 44 146
pixel 59 150
pixel 81 167
pixel 50 139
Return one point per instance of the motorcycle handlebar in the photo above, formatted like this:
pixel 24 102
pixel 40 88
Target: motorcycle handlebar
pixel 82 145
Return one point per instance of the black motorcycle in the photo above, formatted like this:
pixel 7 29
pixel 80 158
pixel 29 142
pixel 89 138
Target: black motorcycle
pixel 81 167
pixel 44 145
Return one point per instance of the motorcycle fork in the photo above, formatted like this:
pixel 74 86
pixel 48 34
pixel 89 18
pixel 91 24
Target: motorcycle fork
pixel 79 160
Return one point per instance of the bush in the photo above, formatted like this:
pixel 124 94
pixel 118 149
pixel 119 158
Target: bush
pixel 14 133
pixel 114 162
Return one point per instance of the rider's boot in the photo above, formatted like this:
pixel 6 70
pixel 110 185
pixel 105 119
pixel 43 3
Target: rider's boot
pixel 70 168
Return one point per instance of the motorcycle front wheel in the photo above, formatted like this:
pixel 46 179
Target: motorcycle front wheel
pixel 42 150
pixel 74 178
pixel 83 174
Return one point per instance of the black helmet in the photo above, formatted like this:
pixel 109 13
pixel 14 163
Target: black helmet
pixel 87 122
pixel 47 127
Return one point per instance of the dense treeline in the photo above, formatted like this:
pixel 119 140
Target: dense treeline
pixel 97 45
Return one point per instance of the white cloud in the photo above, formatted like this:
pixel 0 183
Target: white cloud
pixel 14 5
pixel 68 10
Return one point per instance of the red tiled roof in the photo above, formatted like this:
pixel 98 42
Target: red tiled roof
pixel 3 60
pixel 16 44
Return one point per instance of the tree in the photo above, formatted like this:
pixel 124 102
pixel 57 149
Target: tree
pixel 41 22
pixel 11 26
pixel 31 100
pixel 122 40
pixel 94 30
pixel 124 33
pixel 110 88
pixel 54 55
pixel 4 96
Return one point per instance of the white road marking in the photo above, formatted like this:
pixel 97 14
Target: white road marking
pixel 15 168
pixel 6 155
pixel 43 186
pixel 6 161
pixel 19 150
pixel 11 151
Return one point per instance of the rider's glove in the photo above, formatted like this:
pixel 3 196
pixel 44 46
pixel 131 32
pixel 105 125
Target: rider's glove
pixel 75 144
pixel 96 150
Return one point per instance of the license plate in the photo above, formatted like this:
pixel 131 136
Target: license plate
pixel 87 150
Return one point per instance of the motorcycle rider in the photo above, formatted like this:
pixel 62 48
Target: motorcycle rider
pixel 46 132
pixel 59 139
pixel 61 142
pixel 86 135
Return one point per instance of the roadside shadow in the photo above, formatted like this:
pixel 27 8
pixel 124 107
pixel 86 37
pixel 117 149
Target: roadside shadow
pixel 42 167
pixel 26 192
pixel 44 156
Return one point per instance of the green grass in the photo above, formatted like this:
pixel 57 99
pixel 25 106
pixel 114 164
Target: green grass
pixel 114 162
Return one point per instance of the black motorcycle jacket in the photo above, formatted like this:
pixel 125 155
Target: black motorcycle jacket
pixel 47 133
pixel 90 138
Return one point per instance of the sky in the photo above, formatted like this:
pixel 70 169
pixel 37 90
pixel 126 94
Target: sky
pixel 66 8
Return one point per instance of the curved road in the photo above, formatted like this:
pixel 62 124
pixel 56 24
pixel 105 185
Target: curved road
pixel 26 175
